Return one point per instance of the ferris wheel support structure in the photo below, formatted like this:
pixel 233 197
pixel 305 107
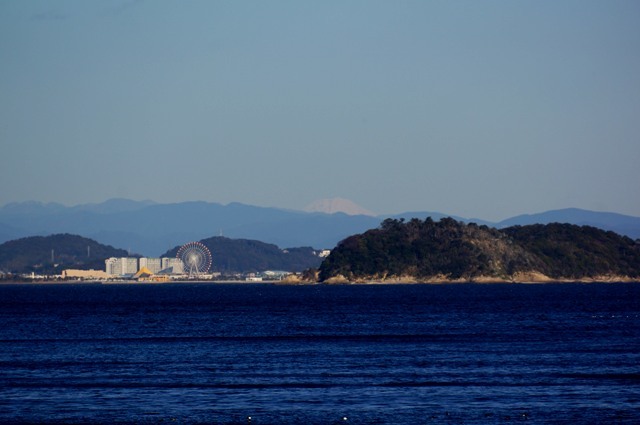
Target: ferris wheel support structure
pixel 196 259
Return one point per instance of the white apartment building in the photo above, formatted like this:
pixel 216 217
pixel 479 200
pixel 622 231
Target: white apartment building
pixel 121 266
pixel 175 263
pixel 154 265
pixel 130 265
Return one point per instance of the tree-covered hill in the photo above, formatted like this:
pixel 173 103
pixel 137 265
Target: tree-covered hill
pixel 52 254
pixel 244 255
pixel 570 251
pixel 424 249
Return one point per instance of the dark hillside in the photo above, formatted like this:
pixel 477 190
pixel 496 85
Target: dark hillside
pixel 571 251
pixel 243 255
pixel 454 250
pixel 425 249
pixel 34 254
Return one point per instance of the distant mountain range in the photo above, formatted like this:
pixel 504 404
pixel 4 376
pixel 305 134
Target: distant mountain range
pixel 149 228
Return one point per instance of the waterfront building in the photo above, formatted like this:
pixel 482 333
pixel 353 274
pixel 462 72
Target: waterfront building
pixel 154 265
pixel 121 266
pixel 84 274
pixel 130 266
pixel 175 264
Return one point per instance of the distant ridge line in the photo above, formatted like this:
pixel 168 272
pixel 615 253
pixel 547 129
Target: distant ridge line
pixel 150 228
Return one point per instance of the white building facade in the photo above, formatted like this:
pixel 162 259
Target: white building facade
pixel 154 265
pixel 129 265
pixel 121 266
pixel 174 263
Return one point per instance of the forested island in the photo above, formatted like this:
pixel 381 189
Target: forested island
pixel 448 250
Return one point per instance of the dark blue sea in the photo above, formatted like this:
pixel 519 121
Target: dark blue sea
pixel 353 354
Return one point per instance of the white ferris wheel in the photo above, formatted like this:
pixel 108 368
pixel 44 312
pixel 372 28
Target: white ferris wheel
pixel 195 257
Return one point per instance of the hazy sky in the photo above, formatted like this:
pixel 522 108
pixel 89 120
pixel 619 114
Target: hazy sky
pixel 482 109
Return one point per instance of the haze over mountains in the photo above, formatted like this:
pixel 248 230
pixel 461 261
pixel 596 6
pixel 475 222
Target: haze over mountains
pixel 335 205
pixel 149 228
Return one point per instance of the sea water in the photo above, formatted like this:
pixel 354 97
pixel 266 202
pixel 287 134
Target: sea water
pixel 319 354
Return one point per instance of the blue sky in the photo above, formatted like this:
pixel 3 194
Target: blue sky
pixel 482 109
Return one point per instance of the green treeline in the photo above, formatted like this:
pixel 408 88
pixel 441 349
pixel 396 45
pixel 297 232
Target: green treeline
pixel 448 248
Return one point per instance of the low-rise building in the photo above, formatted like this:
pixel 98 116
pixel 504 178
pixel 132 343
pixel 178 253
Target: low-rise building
pixel 84 274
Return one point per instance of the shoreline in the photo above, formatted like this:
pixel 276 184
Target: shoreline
pixel 341 282
pixel 518 278
pixel 144 283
